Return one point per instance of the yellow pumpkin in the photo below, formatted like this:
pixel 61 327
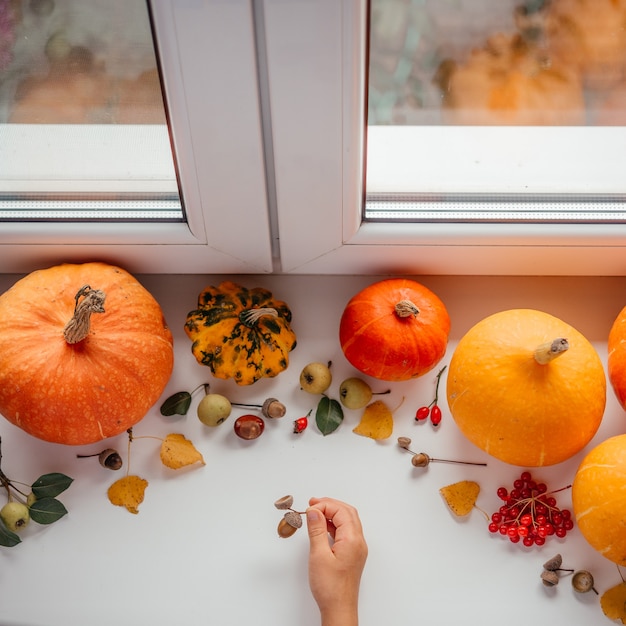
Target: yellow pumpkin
pixel 526 387
pixel 241 333
pixel 84 352
pixel 599 500
pixel 509 81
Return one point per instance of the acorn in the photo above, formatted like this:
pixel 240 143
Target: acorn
pixel 108 458
pixel 273 408
pixel 549 578
pixel 582 581
pixel 286 502
pixel 285 529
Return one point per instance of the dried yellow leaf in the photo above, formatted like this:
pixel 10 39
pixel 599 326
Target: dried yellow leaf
pixel 461 497
pixel 128 492
pixel 613 602
pixel 376 422
pixel 177 452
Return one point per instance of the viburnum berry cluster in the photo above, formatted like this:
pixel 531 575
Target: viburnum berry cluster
pixel 529 513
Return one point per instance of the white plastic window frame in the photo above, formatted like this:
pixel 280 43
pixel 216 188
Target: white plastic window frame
pixel 315 61
pixel 208 55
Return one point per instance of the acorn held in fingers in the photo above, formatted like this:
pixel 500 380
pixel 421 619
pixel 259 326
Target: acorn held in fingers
pixel 291 520
pixel 421 459
pixel 108 458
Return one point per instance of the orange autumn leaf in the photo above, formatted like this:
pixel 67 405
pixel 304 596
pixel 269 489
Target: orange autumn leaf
pixel 128 492
pixel 461 497
pixel 177 452
pixel 613 602
pixel 376 422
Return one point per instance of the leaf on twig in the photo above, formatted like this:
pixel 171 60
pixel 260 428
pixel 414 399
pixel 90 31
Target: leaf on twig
pixel 177 403
pixel 47 510
pixel 128 492
pixel 177 452
pixel 51 485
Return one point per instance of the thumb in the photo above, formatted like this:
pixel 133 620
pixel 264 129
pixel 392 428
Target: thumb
pixel 316 525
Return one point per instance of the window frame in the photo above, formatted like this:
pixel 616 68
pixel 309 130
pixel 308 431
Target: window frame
pixel 318 113
pixel 220 155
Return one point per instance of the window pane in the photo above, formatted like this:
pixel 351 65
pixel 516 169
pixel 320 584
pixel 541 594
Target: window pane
pixel 496 110
pixel 83 129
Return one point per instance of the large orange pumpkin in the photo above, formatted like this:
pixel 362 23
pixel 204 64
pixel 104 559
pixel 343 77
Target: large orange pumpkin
pixel 395 329
pixel 84 352
pixel 599 498
pixel 616 362
pixel 526 387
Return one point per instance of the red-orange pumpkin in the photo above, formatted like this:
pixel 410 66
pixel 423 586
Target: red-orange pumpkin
pixel 66 381
pixel 394 330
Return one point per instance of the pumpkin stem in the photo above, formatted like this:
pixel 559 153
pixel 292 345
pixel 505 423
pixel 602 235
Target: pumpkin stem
pixel 78 327
pixel 250 317
pixel 404 308
pixel 550 350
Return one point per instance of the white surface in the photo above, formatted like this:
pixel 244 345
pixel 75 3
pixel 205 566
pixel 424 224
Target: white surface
pixel 203 548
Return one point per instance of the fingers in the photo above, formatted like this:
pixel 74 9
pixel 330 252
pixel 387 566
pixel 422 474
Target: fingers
pixel 338 513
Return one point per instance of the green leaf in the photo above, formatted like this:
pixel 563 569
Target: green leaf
pixel 51 485
pixel 47 510
pixel 7 537
pixel 328 416
pixel 177 404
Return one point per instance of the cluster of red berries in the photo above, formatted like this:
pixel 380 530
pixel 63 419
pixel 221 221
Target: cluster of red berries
pixel 529 513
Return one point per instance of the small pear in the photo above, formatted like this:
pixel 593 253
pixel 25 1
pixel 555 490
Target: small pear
pixel 15 515
pixel 213 409
pixel 316 378
pixel 355 393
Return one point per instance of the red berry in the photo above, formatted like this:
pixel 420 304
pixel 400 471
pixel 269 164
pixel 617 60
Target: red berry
pixel 300 424
pixel 435 415
pixel 502 492
pixel 422 413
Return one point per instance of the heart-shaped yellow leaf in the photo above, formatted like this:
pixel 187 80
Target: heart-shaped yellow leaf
pixel 461 497
pixel 128 492
pixel 177 452
pixel 376 422
pixel 613 602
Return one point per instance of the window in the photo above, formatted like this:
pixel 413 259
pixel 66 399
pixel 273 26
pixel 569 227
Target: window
pixel 496 111
pixel 425 164
pixel 268 107
pixel 207 62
